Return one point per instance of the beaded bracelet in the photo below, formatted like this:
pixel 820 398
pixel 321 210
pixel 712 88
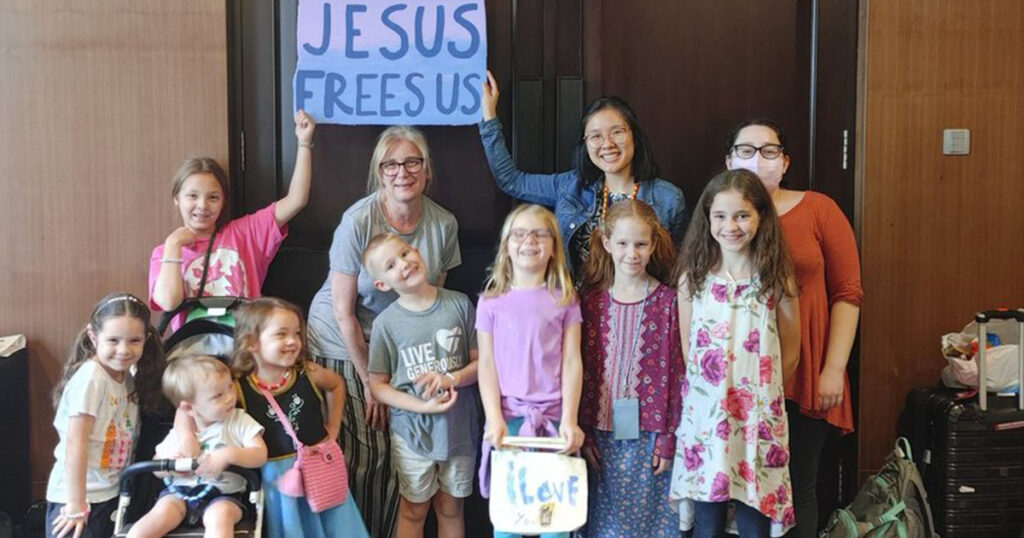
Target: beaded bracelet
pixel 170 260
pixel 84 514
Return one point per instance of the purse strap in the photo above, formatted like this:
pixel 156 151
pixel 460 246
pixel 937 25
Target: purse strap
pixel 165 320
pixel 281 417
pixel 206 263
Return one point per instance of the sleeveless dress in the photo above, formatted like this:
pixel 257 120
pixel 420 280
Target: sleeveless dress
pixel 286 516
pixel 733 438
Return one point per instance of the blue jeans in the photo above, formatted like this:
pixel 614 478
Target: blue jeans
pixel 709 520
pixel 513 428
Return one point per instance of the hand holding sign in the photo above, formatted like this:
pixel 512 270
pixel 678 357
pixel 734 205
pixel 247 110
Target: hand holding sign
pixel 304 127
pixel 537 492
pixel 489 96
pixel 494 432
pixel 573 436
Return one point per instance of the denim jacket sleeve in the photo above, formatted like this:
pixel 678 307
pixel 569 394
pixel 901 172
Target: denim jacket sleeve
pixel 679 220
pixel 535 188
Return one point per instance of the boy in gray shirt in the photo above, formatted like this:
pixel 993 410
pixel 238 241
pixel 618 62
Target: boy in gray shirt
pixel 422 363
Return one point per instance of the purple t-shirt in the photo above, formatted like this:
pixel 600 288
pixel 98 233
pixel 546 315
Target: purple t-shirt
pixel 527 327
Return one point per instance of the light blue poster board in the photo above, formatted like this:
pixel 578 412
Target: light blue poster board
pixel 375 62
pixel 537 492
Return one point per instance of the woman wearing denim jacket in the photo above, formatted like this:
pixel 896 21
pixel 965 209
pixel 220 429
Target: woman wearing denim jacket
pixel 613 161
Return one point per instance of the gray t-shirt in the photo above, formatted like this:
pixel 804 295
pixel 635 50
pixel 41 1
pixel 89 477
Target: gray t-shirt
pixel 406 344
pixel 436 236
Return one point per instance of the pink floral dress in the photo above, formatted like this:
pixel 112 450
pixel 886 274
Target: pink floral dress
pixel 733 438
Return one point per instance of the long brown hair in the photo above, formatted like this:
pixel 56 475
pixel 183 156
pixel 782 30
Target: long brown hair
pixel 556 277
pixel 701 253
pixel 250 320
pixel 148 370
pixel 599 269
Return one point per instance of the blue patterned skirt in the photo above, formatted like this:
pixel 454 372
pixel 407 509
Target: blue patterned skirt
pixel 291 516
pixel 626 499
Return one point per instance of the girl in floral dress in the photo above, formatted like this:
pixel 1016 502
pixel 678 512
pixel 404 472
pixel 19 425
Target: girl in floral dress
pixel 739 321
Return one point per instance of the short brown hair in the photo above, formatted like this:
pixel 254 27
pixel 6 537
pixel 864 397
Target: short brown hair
pixel 184 375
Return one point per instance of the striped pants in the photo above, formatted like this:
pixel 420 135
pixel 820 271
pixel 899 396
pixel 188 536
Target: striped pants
pixel 367 456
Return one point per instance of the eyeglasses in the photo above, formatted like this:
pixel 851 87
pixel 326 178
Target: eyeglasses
pixel 412 165
pixel 617 135
pixel 520 234
pixel 768 151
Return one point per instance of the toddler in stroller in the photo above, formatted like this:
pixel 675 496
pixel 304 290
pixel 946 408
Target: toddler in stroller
pixel 201 387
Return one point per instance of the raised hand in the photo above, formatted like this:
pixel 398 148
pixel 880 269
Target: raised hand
pixel 489 97
pixel 304 127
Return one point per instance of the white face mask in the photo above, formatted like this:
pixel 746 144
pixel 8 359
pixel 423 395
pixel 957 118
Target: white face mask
pixel 769 170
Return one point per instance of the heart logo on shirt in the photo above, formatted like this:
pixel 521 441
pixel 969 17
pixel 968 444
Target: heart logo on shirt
pixel 449 339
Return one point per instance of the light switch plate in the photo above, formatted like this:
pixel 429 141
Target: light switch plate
pixel 956 141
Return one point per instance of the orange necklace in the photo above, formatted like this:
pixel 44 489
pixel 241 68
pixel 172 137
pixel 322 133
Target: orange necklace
pixel 605 194
pixel 272 386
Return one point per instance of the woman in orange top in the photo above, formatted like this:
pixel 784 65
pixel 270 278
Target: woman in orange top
pixel 821 242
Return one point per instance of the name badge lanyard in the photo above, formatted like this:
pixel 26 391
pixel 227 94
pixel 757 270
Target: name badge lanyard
pixel 626 409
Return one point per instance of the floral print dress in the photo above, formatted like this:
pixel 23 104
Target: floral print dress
pixel 733 438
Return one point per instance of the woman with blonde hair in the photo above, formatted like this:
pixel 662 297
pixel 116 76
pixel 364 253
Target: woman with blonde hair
pixel 342 312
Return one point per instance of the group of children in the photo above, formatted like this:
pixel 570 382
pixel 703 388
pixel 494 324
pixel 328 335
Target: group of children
pixel 666 371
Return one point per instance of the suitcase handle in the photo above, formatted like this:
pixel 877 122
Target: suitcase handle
pixel 987 315
pixel 982 318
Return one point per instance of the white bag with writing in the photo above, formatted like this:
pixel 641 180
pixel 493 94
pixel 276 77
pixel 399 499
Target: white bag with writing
pixel 537 492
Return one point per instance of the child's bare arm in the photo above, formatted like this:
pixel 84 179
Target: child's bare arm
pixel 333 388
pixel 250 456
pixel 185 429
pixel 788 316
pixel 490 392
pixel 572 387
pixel 380 385
pixel 76 461
pixel 435 382
pixel 685 315
pixel 298 190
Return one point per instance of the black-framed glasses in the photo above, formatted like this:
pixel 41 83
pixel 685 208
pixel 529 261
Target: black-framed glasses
pixel 520 234
pixel 768 151
pixel 411 165
pixel 617 135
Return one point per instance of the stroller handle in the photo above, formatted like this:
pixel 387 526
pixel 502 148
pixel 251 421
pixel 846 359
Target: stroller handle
pixel 252 477
pixel 194 302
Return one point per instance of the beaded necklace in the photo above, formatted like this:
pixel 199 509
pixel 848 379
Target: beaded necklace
pixel 605 194
pixel 272 386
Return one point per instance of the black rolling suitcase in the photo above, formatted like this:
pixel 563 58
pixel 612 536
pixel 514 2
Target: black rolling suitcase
pixel 972 460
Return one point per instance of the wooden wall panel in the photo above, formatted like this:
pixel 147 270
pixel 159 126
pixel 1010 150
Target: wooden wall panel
pixel 100 101
pixel 940 234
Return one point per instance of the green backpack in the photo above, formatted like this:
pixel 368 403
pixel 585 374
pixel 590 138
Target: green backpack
pixel 892 504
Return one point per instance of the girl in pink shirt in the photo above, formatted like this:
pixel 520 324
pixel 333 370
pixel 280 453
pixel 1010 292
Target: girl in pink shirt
pixel 242 248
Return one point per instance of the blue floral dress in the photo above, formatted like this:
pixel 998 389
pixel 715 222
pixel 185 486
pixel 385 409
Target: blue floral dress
pixel 733 438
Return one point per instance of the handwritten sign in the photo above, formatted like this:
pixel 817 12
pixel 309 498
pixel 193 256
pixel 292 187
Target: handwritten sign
pixel 537 492
pixel 382 62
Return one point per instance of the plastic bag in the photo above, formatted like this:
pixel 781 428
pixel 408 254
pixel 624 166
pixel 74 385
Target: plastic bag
pixel 960 351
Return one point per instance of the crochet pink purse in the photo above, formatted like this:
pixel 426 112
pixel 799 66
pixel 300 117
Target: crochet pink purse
pixel 319 472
